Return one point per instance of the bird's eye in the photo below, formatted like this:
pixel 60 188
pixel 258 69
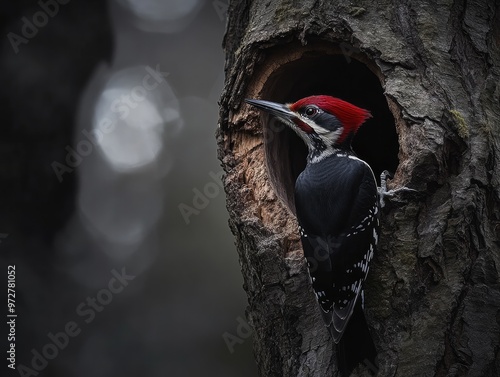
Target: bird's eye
pixel 310 111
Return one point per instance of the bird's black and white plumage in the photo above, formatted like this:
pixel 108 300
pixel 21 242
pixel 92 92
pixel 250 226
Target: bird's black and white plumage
pixel 338 214
pixel 337 211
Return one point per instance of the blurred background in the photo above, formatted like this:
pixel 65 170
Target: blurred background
pixel 112 207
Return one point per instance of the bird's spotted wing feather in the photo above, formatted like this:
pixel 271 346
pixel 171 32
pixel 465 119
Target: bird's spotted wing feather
pixel 338 288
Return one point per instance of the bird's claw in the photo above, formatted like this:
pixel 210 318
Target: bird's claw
pixel 383 192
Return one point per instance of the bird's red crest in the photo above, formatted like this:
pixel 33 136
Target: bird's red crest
pixel 351 117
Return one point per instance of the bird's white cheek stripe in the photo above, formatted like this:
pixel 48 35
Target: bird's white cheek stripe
pixel 330 137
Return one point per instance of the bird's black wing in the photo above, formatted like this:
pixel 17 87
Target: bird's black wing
pixel 336 204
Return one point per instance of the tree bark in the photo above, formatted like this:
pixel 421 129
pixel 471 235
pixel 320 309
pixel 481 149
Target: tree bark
pixel 429 72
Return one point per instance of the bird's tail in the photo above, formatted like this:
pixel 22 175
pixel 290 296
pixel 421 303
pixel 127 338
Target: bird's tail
pixel 356 345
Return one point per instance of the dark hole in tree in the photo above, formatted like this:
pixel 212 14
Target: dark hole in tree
pixel 376 142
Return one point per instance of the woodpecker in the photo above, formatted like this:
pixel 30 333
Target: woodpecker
pixel 337 208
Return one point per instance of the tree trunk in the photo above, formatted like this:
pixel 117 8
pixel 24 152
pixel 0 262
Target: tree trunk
pixel 430 74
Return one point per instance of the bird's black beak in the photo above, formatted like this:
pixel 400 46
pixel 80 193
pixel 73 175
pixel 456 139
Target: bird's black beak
pixel 277 109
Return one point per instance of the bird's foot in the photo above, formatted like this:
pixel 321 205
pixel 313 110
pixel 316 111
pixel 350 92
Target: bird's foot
pixel 384 193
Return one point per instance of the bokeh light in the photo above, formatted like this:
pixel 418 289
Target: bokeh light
pixel 165 16
pixel 135 115
pixel 122 96
pixel 131 115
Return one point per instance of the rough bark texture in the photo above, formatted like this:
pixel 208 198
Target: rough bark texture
pixel 433 295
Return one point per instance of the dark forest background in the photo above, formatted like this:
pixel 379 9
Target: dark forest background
pixel 111 207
